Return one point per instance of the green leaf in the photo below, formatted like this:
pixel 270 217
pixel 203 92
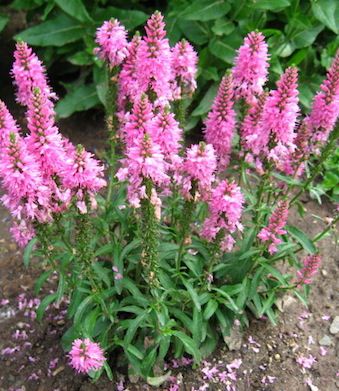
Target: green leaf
pixel 81 58
pixel 69 336
pixel 223 26
pixel 192 293
pixel 204 10
pixel 195 32
pixel 82 98
pixel 306 37
pixel 148 362
pixel 327 12
pixel 74 8
pixel 55 32
pixel 134 324
pixel 3 21
pixel 189 344
pixel 44 304
pixel 129 18
pixel 61 288
pixel 105 249
pixel 103 273
pixel 135 351
pixel 210 309
pixel 206 102
pixel 28 251
pixel 108 371
pixel 84 306
pixel 158 380
pixel 302 238
pixel 270 5
pixel 41 280
pixel 225 48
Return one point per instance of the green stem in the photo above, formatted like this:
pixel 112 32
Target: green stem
pixel 185 229
pixel 112 126
pixel 150 237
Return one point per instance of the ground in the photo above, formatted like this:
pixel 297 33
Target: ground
pixel 32 358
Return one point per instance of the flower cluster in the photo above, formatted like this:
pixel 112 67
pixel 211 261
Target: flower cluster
pixel 28 73
pixel 251 67
pixel 276 224
pixel 41 172
pixel 325 108
pixel 311 267
pixel 225 208
pixel 112 40
pixel 220 122
pixel 86 356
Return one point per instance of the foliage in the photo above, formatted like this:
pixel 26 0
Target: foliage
pixel 300 32
pixel 328 183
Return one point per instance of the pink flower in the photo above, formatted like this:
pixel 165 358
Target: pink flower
pixel 28 73
pixel 251 127
pixel 225 209
pixel 144 160
pixel 112 40
pixel 325 108
pixel 184 64
pixel 167 134
pixel 281 110
pixel 251 67
pixel 220 122
pixel 306 362
pixel 311 266
pixel 198 170
pixel 26 195
pixel 139 122
pixel 86 355
pixel 7 124
pixel 153 69
pixel 276 223
pixel 128 81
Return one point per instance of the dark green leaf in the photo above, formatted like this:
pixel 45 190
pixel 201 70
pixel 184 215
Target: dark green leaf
pixel 223 26
pixel 158 380
pixel 74 8
pixel 225 48
pixel 41 280
pixel 210 309
pixel 82 98
pixel 44 304
pixel 134 324
pixel 3 21
pixel 195 32
pixel 55 32
pixel 129 18
pixel 327 12
pixel 302 238
pixel 81 58
pixel 28 251
pixel 189 344
pixel 206 102
pixel 270 5
pixel 204 10
pixel 192 293
pixel 84 306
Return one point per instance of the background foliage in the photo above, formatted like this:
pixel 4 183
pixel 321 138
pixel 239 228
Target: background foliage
pixel 304 33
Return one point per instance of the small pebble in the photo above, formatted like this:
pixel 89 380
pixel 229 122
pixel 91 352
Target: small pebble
pixel 325 341
pixel 277 357
pixel 334 328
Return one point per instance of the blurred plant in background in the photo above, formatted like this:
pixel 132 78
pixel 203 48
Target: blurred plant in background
pixel 303 33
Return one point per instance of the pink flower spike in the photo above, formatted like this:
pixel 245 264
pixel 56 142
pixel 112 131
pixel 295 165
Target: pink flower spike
pixel 184 63
pixel 325 108
pixel 154 57
pixel 220 122
pixel 311 266
pixel 86 356
pixel 112 40
pixel 276 224
pixel 29 73
pixel 251 66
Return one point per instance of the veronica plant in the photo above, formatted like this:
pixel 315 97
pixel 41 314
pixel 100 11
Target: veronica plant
pixel 186 240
